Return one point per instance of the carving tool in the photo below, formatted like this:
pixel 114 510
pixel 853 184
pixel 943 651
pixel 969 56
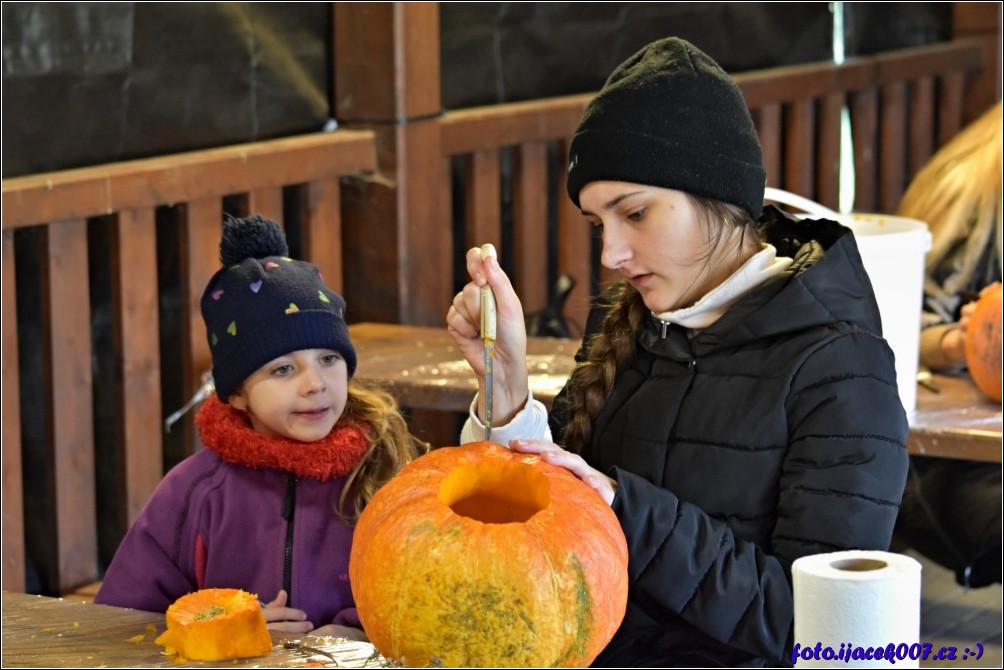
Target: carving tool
pixel 489 327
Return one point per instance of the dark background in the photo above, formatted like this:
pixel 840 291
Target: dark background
pixel 90 83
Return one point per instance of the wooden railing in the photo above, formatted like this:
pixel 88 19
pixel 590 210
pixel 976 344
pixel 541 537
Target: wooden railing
pixel 531 136
pixel 102 230
pixel 903 105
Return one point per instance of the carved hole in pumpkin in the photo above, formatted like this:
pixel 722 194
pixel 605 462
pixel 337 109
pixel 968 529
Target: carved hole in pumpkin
pixel 496 493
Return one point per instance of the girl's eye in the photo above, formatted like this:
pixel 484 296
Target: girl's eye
pixel 282 370
pixel 331 359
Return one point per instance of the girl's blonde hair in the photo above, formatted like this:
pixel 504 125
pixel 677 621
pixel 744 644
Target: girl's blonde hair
pixel 392 446
pixel 613 347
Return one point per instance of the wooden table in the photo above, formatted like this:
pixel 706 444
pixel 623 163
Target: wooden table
pixel 424 369
pixel 40 632
pixel 956 422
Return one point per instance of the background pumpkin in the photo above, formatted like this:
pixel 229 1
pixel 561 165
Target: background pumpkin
pixel 477 556
pixel 216 624
pixel 983 343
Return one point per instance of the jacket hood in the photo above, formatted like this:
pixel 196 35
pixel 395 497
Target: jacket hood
pixel 826 283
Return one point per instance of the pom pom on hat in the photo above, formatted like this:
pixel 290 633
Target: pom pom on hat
pixel 669 116
pixel 251 237
pixel 263 304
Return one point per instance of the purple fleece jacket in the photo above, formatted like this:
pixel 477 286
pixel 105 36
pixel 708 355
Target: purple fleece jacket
pixel 213 524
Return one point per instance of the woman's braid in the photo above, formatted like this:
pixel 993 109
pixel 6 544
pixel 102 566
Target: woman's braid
pixel 610 350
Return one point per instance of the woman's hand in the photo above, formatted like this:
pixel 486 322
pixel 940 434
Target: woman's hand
pixel 285 619
pixel 574 463
pixel 463 320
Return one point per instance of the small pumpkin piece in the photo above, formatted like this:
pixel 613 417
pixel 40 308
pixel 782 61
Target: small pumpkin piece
pixel 216 625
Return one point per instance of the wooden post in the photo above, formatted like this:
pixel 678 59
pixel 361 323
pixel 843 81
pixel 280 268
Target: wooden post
pixel 980 20
pixel 386 65
pixel 70 417
pixel 13 498
pixel 397 229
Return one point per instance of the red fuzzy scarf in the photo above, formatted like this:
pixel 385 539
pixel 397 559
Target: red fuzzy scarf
pixel 227 432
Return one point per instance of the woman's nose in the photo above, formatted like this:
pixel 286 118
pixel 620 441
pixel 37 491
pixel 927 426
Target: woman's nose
pixel 615 250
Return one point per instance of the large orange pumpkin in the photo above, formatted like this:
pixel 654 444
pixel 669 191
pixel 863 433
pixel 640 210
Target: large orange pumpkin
pixel 477 556
pixel 983 343
pixel 216 624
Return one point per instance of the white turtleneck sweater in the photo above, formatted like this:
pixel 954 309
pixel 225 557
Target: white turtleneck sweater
pixel 760 267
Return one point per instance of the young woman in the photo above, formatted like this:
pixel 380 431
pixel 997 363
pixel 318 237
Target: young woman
pixel 734 401
pixel 294 450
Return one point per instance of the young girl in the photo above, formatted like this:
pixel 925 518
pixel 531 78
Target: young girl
pixel 294 450
pixel 734 401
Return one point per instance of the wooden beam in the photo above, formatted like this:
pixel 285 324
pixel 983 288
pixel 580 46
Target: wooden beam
pixel 530 226
pixel 201 223
pixel 13 487
pixel 70 415
pixel 167 180
pixel 980 21
pixel 322 230
pixel 137 353
pixel 484 202
pixel 575 259
pixel 386 65
pixel 479 128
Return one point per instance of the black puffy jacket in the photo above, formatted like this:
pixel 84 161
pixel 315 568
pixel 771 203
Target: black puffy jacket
pixel 775 433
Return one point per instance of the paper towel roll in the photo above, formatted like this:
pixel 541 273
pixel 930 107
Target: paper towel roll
pixel 856 599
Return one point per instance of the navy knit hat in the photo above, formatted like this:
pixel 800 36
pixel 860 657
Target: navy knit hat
pixel 669 116
pixel 263 304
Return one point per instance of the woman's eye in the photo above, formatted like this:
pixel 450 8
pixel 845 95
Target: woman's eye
pixel 637 214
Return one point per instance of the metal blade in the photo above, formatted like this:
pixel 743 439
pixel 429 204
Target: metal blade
pixel 489 388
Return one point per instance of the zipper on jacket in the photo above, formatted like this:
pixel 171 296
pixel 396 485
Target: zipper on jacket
pixel 665 325
pixel 288 508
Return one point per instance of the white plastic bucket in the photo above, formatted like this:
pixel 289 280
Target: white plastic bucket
pixel 892 249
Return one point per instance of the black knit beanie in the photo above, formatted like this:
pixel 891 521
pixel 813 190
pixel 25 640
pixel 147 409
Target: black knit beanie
pixel 669 116
pixel 263 304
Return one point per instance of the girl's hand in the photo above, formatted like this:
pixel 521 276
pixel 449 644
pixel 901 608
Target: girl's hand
pixel 966 313
pixel 285 619
pixel 574 463
pixel 464 323
pixel 335 630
